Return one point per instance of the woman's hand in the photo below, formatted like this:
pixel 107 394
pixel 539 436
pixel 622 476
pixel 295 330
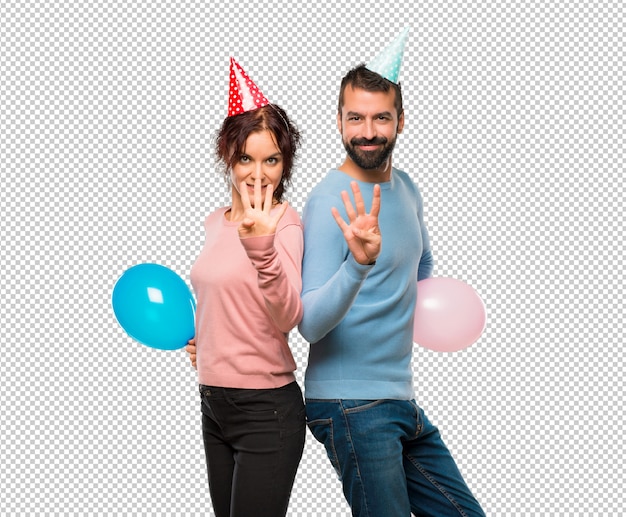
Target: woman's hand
pixel 258 219
pixel 191 350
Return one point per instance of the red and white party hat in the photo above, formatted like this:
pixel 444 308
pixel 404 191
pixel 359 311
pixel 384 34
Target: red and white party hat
pixel 243 94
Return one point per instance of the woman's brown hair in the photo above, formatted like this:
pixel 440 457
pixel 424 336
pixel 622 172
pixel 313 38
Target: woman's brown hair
pixel 235 130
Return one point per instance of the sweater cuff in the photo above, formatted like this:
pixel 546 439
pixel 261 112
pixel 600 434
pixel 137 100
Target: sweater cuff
pixel 356 270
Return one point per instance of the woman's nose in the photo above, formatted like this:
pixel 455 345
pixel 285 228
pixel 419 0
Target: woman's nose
pixel 257 171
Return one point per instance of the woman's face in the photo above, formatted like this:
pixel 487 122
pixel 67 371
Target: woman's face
pixel 260 159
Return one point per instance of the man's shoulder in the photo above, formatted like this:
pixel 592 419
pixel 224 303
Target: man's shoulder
pixel 332 178
pixel 404 179
pixel 291 217
pixel 329 186
pixel 403 176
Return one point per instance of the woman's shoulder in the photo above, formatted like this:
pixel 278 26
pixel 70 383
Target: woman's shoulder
pixel 291 217
pixel 216 215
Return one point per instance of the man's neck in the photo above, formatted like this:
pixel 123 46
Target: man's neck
pixel 381 174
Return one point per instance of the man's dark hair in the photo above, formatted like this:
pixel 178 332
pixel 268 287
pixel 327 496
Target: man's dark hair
pixel 363 78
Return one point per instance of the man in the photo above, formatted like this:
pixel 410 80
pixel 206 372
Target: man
pixel 360 274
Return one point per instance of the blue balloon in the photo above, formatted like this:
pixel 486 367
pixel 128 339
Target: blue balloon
pixel 154 306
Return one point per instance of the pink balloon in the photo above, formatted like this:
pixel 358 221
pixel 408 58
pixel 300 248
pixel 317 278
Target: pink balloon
pixel 449 315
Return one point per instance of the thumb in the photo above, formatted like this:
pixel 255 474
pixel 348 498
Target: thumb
pixel 247 223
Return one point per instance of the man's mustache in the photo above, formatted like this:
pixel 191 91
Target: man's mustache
pixel 364 141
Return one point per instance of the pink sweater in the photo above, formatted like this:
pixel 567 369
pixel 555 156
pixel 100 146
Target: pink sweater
pixel 248 299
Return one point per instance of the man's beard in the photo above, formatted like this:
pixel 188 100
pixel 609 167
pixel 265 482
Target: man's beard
pixel 369 159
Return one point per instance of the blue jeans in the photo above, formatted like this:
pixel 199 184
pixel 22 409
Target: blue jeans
pixel 390 458
pixel 253 442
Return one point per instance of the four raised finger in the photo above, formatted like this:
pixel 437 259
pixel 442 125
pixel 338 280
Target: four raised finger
pixel 269 193
pixel 358 198
pixel 359 203
pixel 348 205
pixel 342 224
pixel 245 198
pixel 375 202
pixel 258 197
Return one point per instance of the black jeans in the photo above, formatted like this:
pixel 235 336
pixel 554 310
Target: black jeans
pixel 253 442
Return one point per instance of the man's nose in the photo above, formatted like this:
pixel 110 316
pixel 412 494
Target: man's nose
pixel 369 130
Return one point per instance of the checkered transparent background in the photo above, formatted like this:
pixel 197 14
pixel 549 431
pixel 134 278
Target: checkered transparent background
pixel 514 132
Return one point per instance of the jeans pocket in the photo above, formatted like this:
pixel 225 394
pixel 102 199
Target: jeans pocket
pixel 356 406
pixel 322 430
pixel 252 401
pixel 291 413
pixel 419 418
pixel 205 408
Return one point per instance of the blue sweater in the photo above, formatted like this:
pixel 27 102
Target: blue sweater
pixel 359 319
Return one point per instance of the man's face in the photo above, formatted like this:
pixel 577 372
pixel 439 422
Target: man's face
pixel 369 125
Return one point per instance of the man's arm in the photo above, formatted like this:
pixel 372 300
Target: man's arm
pixel 331 273
pixel 427 261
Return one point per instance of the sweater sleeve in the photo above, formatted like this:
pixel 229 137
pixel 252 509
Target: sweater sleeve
pixel 331 277
pixel 426 264
pixel 277 259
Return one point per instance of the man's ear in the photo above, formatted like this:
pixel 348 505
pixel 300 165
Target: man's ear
pixel 339 122
pixel 400 122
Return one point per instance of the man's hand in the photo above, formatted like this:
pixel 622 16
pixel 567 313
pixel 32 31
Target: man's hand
pixel 362 233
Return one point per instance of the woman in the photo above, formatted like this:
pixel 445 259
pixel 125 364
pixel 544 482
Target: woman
pixel 247 281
